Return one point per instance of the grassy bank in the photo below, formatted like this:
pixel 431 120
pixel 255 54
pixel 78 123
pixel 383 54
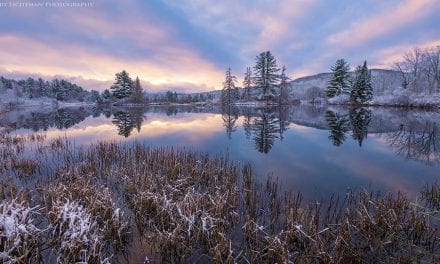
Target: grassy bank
pixel 69 204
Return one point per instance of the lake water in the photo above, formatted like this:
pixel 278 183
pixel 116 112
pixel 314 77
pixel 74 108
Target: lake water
pixel 316 150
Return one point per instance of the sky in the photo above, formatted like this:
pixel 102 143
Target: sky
pixel 187 45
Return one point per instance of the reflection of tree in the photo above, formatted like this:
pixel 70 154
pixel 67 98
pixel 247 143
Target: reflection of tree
pixel 265 129
pixel 339 125
pixel 229 116
pixel 417 143
pixel 283 121
pixel 126 121
pixel 247 125
pixel 360 119
pixel 171 110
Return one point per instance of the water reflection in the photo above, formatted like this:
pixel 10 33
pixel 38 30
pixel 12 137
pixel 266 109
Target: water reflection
pixel 357 120
pixel 339 125
pixel 126 121
pixel 264 128
pixel 412 134
pixel 415 142
pixel 229 117
pixel 335 147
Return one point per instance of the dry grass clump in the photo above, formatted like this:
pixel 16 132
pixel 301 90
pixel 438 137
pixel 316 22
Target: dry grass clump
pixel 181 202
pixel 86 224
pixel 431 197
pixel 24 167
pixel 20 239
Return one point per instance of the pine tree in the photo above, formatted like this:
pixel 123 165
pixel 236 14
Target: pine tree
pixel 106 94
pixel 283 95
pixel 247 84
pixel 266 75
pixel 137 93
pixel 340 83
pixel 122 86
pixel 229 91
pixel 362 90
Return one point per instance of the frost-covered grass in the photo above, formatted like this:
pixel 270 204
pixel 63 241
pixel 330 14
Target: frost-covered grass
pixel 95 203
pixel 82 218
pixel 20 238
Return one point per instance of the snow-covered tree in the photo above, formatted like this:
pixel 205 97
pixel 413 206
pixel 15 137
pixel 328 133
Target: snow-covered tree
pixel 247 82
pixel 362 90
pixel 284 85
pixel 137 93
pixel 230 93
pixel 266 75
pixel 122 86
pixel 340 83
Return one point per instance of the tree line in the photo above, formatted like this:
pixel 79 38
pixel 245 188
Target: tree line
pixel 58 89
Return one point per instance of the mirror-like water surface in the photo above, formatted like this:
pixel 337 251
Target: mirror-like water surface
pixel 316 150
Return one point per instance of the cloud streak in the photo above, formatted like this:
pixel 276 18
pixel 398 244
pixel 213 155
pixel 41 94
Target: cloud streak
pixel 383 23
pixel 186 45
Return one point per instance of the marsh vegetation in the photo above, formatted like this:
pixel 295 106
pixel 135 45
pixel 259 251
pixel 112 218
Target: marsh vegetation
pixel 69 204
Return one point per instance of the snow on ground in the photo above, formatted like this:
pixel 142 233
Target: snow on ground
pixel 396 97
pixel 8 99
pixel 75 104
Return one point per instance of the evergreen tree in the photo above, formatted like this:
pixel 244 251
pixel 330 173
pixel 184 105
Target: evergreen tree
pixel 137 93
pixel 283 95
pixel 247 84
pixel 106 94
pixel 266 75
pixel 122 86
pixel 362 90
pixel 229 91
pixel 340 83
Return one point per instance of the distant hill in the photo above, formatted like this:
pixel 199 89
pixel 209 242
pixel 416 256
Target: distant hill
pixel 383 80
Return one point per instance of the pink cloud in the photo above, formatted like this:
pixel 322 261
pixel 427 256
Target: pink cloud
pixel 386 58
pixel 177 64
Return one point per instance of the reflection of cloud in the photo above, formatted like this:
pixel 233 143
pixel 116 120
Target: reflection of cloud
pixel 373 172
pixel 300 127
pixel 385 22
pixel 192 128
pixel 195 128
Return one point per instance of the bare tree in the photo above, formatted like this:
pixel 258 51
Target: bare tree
pixel 433 64
pixel 313 93
pixel 420 70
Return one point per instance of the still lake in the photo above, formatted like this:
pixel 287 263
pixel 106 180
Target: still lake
pixel 318 151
